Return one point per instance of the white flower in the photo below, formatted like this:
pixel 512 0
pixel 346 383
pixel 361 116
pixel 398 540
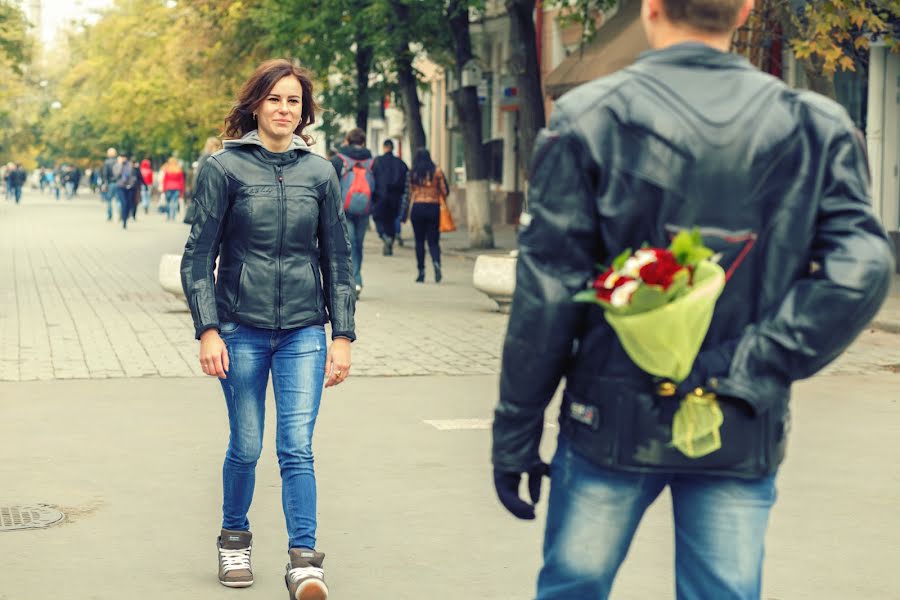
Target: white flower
pixel 622 294
pixel 632 267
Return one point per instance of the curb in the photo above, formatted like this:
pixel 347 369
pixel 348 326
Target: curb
pixel 886 326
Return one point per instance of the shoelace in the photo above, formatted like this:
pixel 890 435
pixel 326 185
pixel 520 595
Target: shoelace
pixel 299 573
pixel 235 559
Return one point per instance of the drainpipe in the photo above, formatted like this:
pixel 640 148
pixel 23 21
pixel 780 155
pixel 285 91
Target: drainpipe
pixel 539 31
pixel 875 126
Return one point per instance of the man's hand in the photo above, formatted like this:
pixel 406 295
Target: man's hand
pixel 507 484
pixel 213 354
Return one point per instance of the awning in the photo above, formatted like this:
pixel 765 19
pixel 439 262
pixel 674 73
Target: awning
pixel 616 45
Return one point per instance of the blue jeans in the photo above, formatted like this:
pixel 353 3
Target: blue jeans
pixel 124 204
pixel 112 194
pixel 172 197
pixel 720 527
pixel 145 198
pixel 357 227
pixel 17 192
pixel 296 359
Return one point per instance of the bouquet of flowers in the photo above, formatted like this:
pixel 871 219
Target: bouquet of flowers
pixel 660 303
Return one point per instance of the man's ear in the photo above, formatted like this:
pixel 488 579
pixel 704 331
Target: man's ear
pixel 744 13
pixel 652 9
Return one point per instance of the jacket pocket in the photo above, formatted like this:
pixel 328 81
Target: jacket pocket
pixel 622 422
pixel 646 439
pixel 238 288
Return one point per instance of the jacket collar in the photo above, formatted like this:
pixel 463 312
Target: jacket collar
pixel 251 138
pixel 692 54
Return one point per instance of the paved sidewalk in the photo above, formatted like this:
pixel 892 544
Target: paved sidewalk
pixel 83 301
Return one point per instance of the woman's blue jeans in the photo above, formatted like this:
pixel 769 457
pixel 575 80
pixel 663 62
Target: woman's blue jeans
pixel 172 197
pixel 720 527
pixel 296 360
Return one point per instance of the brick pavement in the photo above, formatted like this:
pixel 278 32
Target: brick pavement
pixel 81 299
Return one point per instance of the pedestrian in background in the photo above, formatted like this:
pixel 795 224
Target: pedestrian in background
pixel 125 187
pixel 172 186
pixel 390 182
pixel 146 184
pixel 110 172
pixel 212 145
pixel 353 165
pixel 635 158
pixel 17 178
pixel 282 275
pixel 426 188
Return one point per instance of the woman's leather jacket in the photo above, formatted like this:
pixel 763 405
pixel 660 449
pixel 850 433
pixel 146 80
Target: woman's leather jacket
pixel 275 222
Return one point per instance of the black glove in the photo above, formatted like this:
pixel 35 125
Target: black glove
pixel 712 362
pixel 507 484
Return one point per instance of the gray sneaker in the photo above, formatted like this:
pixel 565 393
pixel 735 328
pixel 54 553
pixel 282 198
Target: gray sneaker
pixel 305 577
pixel 234 558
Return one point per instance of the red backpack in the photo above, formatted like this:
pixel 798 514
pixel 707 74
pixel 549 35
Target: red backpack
pixel 357 185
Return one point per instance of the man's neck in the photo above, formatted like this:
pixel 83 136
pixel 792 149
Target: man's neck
pixel 667 36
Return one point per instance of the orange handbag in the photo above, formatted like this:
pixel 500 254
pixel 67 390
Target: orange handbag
pixel 447 225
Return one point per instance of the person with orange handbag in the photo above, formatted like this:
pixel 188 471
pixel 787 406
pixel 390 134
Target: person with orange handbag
pixel 426 190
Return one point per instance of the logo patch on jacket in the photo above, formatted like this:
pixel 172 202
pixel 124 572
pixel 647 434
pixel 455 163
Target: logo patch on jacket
pixel 585 414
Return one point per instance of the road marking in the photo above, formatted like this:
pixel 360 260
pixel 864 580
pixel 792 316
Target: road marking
pixel 470 424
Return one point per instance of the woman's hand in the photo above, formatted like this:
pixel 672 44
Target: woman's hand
pixel 337 363
pixel 214 354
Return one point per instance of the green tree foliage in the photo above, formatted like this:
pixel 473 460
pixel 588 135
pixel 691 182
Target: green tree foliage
pixel 832 33
pixel 20 98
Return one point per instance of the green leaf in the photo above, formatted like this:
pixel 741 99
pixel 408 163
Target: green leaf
pixel 586 296
pixel 619 262
pixel 645 298
pixel 688 248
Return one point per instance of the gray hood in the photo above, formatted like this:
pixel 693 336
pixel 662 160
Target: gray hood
pixel 251 138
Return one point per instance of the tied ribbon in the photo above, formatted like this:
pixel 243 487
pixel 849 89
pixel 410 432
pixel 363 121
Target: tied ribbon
pixel 695 427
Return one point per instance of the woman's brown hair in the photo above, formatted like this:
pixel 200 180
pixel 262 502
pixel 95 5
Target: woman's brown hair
pixel 255 90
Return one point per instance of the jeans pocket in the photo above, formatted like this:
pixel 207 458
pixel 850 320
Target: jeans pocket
pixel 228 328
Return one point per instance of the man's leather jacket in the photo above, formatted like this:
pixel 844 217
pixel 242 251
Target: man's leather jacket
pixel 776 179
pixel 276 223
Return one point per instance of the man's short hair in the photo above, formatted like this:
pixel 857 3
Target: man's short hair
pixel 388 144
pixel 356 137
pixel 712 16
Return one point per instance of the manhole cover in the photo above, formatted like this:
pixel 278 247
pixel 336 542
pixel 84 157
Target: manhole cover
pixel 28 516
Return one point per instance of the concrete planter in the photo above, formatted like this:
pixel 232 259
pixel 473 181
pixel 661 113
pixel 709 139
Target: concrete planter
pixel 495 275
pixel 170 275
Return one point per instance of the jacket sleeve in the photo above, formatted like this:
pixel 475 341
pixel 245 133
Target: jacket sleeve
pixel 337 278
pixel 823 312
pixel 557 252
pixel 202 248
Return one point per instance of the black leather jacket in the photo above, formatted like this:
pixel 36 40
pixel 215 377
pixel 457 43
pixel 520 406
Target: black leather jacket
pixel 275 222
pixel 777 181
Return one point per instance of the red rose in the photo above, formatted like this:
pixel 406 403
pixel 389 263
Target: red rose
pixel 607 283
pixel 662 271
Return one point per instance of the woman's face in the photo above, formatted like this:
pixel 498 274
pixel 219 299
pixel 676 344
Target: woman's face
pixel 279 114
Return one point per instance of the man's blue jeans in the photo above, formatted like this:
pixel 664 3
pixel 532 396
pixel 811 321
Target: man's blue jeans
pixel 17 192
pixel 296 359
pixel 720 527
pixel 112 195
pixel 357 227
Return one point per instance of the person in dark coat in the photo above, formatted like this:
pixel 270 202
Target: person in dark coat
pixel 390 180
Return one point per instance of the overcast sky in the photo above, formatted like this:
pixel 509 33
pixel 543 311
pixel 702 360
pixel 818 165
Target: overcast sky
pixel 59 12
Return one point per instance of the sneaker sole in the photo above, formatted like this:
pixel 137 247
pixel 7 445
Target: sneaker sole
pixel 311 590
pixel 236 584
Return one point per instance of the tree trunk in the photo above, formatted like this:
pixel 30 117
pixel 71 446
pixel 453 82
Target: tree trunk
pixel 478 207
pixel 818 80
pixel 364 55
pixel 406 79
pixel 525 66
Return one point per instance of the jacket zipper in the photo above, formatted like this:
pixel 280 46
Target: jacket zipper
pixel 278 171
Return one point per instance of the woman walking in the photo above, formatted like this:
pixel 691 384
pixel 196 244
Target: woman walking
pixel 274 209
pixel 147 184
pixel 173 186
pixel 425 188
